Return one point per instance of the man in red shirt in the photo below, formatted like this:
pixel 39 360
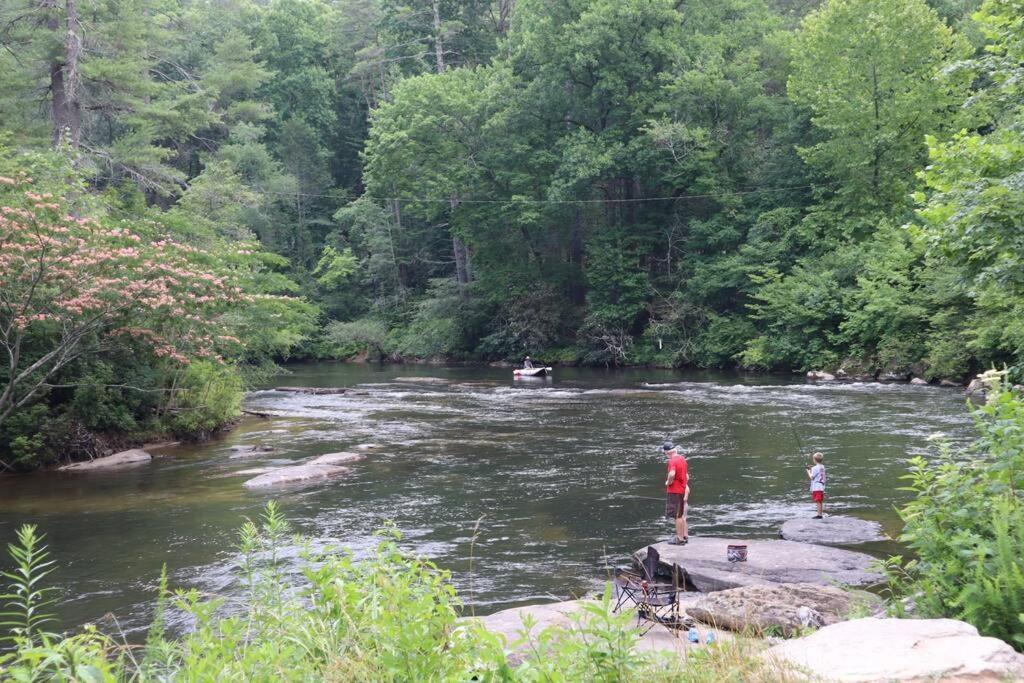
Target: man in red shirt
pixel 677 491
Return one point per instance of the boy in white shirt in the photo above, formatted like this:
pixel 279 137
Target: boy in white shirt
pixel 817 476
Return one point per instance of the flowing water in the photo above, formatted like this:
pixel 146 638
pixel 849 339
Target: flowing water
pixel 563 475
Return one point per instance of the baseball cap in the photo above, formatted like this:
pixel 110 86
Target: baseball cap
pixel 667 446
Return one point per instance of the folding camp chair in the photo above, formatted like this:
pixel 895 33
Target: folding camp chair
pixel 656 600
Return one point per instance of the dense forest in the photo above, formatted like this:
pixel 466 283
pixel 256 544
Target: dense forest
pixel 195 191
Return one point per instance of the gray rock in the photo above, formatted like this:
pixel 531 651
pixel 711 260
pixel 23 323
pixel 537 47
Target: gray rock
pixel 768 562
pixel 832 530
pixel 132 458
pixel 873 649
pixel 368 447
pixel 294 474
pixel 336 459
pixel 919 381
pixel 820 376
pixel 508 625
pixel 976 387
pixel 782 609
pixel 949 383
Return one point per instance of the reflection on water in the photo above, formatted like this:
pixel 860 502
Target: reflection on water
pixel 559 472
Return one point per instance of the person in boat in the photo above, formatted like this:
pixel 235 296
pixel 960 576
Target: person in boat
pixel 528 364
pixel 677 493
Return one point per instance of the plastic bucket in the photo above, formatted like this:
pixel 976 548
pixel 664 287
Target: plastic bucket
pixel 736 553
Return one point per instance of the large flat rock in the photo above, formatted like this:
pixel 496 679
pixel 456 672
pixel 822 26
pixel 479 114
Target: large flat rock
pixel 873 649
pixel 132 458
pixel 294 474
pixel 768 561
pixel 782 609
pixel 509 625
pixel 832 530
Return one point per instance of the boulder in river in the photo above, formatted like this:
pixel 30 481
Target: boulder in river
pixel 919 381
pixel 875 649
pixel 820 376
pixel 336 459
pixel 832 530
pixel 976 387
pixel 949 383
pixel 131 458
pixel 368 447
pixel 295 474
pixel 784 608
pixel 768 561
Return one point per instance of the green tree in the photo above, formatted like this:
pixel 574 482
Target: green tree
pixel 870 72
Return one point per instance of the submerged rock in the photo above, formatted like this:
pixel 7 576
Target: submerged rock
pixel 919 381
pixel 949 383
pixel 783 608
pixel 820 376
pixel 251 450
pixel 131 458
pixel 294 474
pixel 423 380
pixel 874 649
pixel 336 459
pixel 832 530
pixel 368 447
pixel 768 561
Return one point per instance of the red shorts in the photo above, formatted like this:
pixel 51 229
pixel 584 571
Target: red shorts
pixel 818 496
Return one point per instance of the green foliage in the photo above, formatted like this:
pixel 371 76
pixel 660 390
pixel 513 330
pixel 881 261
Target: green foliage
pixel 869 71
pixel 965 526
pixel 206 396
pixel 28 598
pixel 359 336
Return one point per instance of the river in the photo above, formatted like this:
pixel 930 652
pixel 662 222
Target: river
pixel 559 472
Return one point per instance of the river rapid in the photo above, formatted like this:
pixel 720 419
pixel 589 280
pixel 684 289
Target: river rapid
pixel 563 477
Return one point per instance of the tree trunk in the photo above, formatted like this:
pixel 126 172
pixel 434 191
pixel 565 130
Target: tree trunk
pixel 396 208
pixel 72 51
pixel 438 41
pixel 577 288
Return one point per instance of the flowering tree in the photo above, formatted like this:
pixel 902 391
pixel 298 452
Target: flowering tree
pixel 70 287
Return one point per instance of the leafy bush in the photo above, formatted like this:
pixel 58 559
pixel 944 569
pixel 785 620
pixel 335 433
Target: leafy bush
pixel 208 396
pixel 966 525
pixel 346 339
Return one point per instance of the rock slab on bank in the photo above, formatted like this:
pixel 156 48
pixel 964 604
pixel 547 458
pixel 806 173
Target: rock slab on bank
pixel 131 458
pixel 832 530
pixel 783 608
pixel 509 625
pixel 768 562
pixel 874 649
pixel 294 474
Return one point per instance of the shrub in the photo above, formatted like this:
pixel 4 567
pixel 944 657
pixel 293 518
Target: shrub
pixel 346 339
pixel 966 525
pixel 208 396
